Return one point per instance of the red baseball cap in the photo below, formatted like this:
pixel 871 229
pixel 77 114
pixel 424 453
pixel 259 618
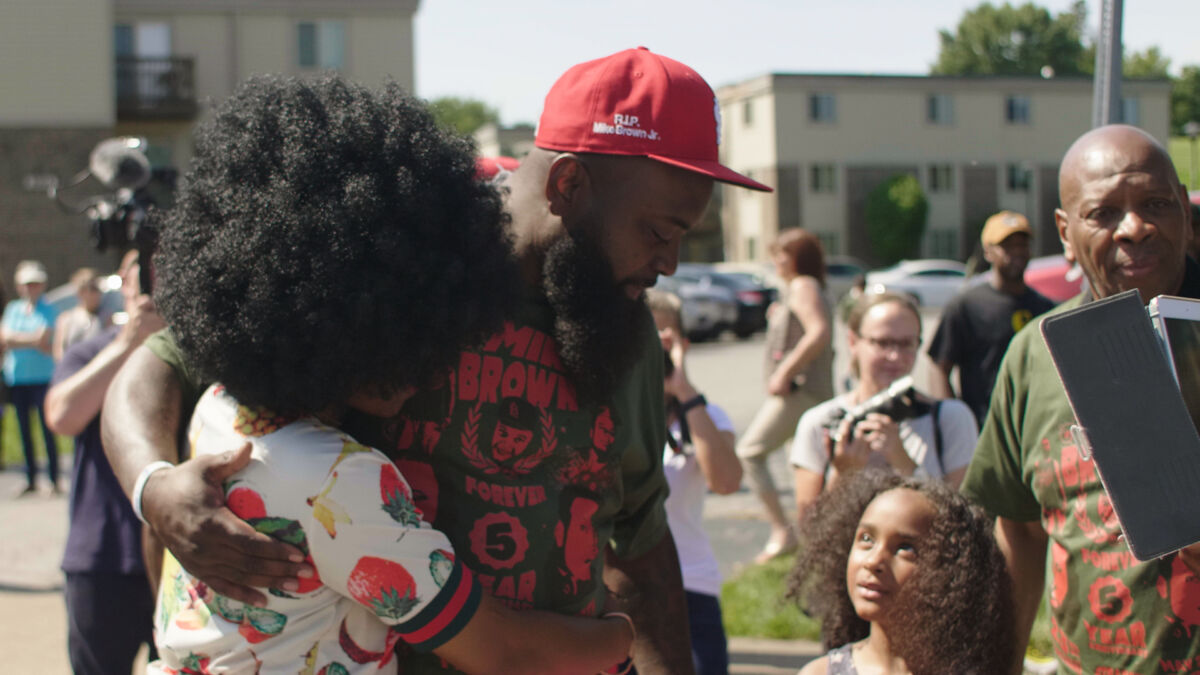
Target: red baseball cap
pixel 487 168
pixel 638 103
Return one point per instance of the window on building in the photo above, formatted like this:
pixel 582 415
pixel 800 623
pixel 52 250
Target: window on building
pixel 321 44
pixel 941 178
pixel 821 178
pixel 748 113
pixel 940 109
pixel 1130 110
pixel 1020 178
pixel 829 242
pixel 1017 109
pixel 821 108
pixel 943 244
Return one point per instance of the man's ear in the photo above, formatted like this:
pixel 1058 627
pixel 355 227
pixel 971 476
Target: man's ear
pixel 1060 221
pixel 566 181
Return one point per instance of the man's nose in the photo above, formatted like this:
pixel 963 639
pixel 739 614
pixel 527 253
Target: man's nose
pixel 1134 228
pixel 668 259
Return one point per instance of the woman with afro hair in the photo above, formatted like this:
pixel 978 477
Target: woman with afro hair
pixel 905 577
pixel 331 251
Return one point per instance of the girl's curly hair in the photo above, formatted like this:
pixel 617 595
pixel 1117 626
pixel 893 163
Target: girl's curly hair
pixel 327 239
pixel 955 614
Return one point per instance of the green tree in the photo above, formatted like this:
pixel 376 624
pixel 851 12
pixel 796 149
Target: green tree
pixel 1147 65
pixel 464 115
pixel 896 214
pixel 1008 40
pixel 1185 99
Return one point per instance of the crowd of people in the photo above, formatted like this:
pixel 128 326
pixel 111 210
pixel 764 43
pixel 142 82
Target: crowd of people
pixel 403 419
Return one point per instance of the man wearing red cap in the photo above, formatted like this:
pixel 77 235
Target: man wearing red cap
pixel 625 159
pixel 978 324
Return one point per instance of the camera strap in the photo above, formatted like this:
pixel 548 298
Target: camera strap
pixel 937 436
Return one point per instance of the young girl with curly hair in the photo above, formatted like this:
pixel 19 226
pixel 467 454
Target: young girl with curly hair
pixel 905 577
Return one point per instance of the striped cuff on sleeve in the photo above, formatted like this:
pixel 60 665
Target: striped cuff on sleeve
pixel 446 614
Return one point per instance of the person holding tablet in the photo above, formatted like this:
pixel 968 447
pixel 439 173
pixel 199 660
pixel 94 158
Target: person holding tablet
pixel 1124 218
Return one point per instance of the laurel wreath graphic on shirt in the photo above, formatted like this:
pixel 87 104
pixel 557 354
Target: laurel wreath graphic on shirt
pixel 470 445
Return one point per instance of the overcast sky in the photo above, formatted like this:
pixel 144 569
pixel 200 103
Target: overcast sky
pixel 508 52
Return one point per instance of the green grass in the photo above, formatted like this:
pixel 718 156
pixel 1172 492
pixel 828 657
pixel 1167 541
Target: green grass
pixel 10 445
pixel 752 605
pixel 1180 148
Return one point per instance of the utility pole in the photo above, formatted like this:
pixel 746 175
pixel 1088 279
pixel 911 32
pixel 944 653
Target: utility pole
pixel 1106 88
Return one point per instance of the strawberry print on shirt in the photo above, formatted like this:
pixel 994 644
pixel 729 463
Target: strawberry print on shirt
pixel 384 575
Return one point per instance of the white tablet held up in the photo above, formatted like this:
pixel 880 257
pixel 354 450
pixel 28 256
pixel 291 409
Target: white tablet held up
pixel 1177 321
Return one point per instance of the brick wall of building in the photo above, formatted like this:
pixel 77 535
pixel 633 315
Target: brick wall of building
pixel 32 226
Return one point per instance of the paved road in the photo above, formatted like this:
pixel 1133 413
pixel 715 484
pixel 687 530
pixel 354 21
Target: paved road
pixel 33 531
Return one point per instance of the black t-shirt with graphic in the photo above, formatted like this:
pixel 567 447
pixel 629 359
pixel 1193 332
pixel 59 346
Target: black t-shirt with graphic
pixel 974 333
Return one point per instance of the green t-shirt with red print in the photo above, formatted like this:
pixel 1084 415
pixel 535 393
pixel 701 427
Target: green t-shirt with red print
pixel 529 485
pixel 384 575
pixel 1110 614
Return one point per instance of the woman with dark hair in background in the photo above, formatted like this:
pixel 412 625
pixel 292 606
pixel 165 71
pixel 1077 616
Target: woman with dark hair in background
pixel 884 334
pixel 799 371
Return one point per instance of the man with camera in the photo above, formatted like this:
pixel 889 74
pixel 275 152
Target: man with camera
pixel 1124 219
pixel 108 596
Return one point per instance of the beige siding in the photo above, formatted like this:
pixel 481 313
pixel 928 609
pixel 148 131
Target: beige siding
pixel 380 47
pixel 882 122
pixel 206 38
pixel 57 57
pixel 265 44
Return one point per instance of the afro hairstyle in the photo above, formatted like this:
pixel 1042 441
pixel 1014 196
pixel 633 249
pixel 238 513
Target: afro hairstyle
pixel 330 239
pixel 955 615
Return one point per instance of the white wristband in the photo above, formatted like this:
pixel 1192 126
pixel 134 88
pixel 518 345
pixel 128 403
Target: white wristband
pixel 140 485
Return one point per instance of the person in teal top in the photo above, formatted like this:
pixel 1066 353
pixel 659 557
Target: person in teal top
pixel 26 332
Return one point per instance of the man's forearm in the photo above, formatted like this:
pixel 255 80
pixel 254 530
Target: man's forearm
pixel 939 380
pixel 72 403
pixel 1024 549
pixel 652 587
pixel 141 416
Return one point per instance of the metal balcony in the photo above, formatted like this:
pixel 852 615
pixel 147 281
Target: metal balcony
pixel 155 88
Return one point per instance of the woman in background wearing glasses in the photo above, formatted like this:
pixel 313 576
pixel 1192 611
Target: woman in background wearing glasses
pixel 884 331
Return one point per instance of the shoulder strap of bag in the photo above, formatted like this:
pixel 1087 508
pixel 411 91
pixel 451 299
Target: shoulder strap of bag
pixel 937 435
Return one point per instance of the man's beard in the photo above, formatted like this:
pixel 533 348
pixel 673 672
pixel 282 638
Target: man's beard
pixel 600 331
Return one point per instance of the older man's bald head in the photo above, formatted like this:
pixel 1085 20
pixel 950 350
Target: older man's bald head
pixel 1123 215
pixel 1109 150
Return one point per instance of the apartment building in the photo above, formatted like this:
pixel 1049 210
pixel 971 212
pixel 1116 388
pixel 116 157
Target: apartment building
pixel 78 71
pixel 976 144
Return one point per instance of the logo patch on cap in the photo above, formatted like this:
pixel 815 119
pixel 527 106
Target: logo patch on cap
pixel 625 125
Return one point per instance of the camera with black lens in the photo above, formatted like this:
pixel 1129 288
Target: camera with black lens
pixel 899 401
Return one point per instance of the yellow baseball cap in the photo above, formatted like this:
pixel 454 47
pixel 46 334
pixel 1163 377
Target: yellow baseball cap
pixel 1003 225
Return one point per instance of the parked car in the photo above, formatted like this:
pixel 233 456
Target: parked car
pixel 751 295
pixel 1054 277
pixel 707 310
pixel 932 282
pixel 840 273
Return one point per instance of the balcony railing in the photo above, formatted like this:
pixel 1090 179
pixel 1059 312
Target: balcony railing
pixel 156 88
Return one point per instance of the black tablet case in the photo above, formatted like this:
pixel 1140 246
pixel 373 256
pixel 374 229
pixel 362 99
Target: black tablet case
pixel 1133 419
